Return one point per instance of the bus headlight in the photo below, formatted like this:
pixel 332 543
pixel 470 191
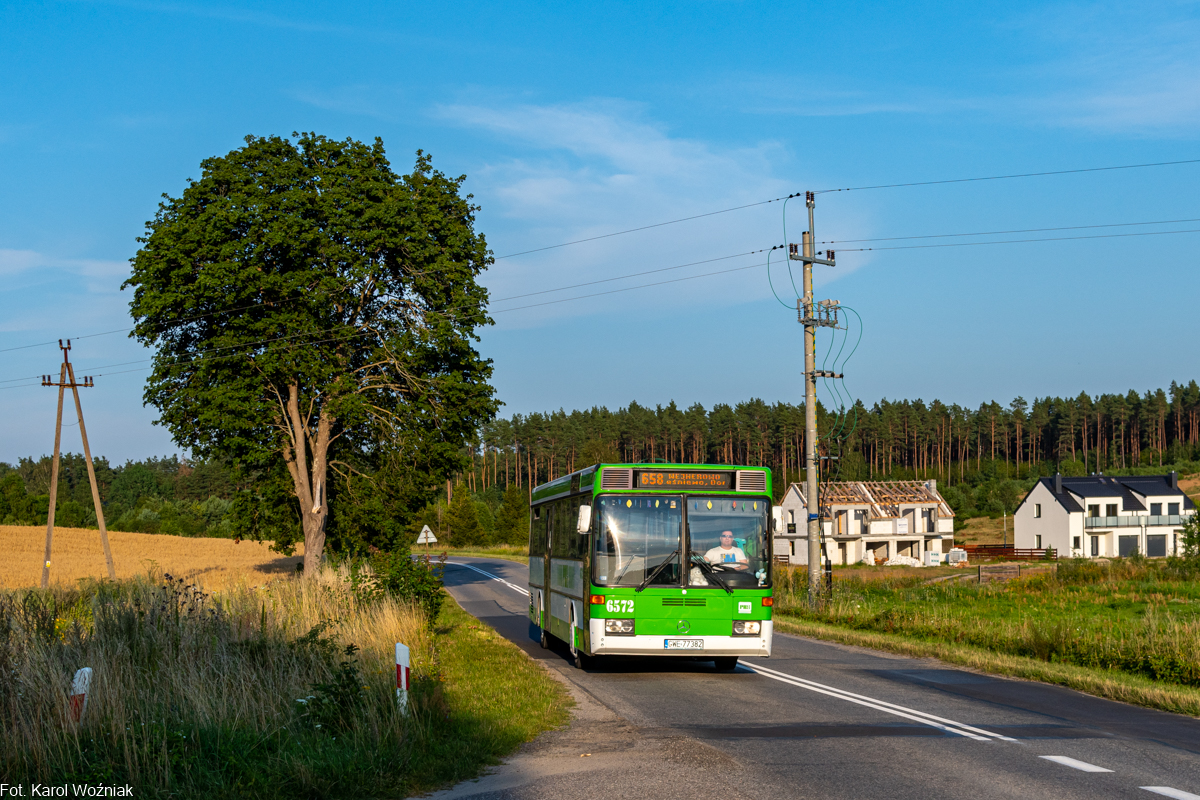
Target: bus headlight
pixel 619 627
pixel 743 627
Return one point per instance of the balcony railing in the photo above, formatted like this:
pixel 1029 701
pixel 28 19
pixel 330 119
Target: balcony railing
pixel 1134 522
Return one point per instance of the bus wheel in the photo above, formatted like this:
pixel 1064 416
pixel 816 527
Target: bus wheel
pixel 582 661
pixel 725 663
pixel 545 640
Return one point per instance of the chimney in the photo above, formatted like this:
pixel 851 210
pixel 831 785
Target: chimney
pixel 1058 483
pixel 1173 481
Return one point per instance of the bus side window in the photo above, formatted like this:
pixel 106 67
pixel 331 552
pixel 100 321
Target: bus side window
pixel 562 536
pixel 537 532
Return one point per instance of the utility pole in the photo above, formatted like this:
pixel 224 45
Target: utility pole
pixel 66 380
pixel 812 316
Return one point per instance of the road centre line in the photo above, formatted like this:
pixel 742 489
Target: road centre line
pixel 1167 791
pixel 512 586
pixel 941 723
pixel 1082 766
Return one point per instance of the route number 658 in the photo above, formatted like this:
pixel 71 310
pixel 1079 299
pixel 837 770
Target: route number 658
pixel 619 606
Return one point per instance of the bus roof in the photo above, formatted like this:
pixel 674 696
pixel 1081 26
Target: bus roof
pixel 589 477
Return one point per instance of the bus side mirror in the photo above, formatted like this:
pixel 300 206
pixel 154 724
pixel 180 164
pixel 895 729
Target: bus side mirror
pixel 776 519
pixel 585 519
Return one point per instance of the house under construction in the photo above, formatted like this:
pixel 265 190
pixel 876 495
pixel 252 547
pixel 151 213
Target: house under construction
pixel 907 518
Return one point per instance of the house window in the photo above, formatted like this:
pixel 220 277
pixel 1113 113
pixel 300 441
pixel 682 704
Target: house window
pixel 1110 510
pixel 1037 542
pixel 1037 510
pixel 1093 511
pixel 791 515
pixel 1095 546
pixel 1156 509
pixel 793 544
pixel 1156 545
pixel 1173 509
pixel 1075 542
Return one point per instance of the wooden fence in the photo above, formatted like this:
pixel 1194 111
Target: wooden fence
pixel 997 552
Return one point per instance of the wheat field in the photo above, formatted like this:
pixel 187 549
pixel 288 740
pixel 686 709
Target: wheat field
pixel 77 553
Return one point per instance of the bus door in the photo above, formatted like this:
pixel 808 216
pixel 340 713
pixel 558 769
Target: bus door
pixel 539 566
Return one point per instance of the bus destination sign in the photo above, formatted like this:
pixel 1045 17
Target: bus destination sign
pixel 712 480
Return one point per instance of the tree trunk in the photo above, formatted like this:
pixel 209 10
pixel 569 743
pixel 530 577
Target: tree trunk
pixel 308 471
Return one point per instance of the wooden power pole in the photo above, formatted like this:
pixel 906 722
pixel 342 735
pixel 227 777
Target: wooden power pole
pixel 66 380
pixel 812 316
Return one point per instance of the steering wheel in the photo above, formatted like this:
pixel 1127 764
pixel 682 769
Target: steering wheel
pixel 731 566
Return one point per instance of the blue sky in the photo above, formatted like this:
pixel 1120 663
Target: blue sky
pixel 572 120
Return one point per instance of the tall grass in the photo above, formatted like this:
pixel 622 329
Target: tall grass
pixel 197 694
pixel 1135 615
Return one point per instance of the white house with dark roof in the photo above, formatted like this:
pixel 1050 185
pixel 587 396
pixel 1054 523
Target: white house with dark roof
pixel 1100 516
pixel 888 518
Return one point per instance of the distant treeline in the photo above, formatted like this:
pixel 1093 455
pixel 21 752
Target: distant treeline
pixel 179 497
pixel 984 458
pixel 158 495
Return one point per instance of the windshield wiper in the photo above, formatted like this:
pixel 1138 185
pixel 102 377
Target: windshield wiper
pixel 706 568
pixel 657 570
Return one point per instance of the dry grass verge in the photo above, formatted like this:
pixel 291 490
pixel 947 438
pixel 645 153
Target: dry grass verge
pixel 1101 683
pixel 255 692
pixel 77 554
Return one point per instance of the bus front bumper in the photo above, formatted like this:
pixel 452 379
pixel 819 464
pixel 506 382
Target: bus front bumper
pixel 607 644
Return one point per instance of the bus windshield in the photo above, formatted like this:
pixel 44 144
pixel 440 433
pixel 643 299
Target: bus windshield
pixel 638 540
pixel 728 539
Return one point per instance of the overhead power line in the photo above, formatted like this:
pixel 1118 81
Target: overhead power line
pixel 646 227
pixel 854 189
pixel 632 275
pixel 1018 241
pixel 1007 177
pixel 1001 233
pixel 205 354
pixel 493 300
pixel 631 288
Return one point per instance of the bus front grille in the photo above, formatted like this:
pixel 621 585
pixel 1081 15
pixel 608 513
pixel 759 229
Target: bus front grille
pixel 684 601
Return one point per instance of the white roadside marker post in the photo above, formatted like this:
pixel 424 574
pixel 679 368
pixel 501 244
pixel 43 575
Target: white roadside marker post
pixel 79 690
pixel 402 677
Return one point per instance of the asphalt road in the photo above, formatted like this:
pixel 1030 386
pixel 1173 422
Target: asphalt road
pixel 820 720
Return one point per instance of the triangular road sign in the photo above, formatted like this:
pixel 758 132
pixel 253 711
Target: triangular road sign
pixel 426 536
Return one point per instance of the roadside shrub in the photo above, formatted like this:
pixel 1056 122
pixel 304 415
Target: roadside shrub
pixel 334 705
pixel 398 575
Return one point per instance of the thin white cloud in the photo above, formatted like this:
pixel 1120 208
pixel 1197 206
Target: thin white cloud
pixel 380 102
pixel 25 262
pixel 586 169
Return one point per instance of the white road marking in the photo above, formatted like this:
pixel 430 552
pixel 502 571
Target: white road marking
pixel 1082 766
pixel 1167 791
pixel 512 586
pixel 941 723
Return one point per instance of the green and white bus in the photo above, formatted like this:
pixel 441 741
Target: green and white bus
pixel 654 559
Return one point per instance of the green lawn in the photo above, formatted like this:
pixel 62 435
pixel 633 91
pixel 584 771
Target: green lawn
pixel 1136 618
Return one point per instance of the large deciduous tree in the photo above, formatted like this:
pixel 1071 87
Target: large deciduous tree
pixel 314 311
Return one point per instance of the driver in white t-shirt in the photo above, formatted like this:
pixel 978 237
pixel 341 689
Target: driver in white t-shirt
pixel 727 554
